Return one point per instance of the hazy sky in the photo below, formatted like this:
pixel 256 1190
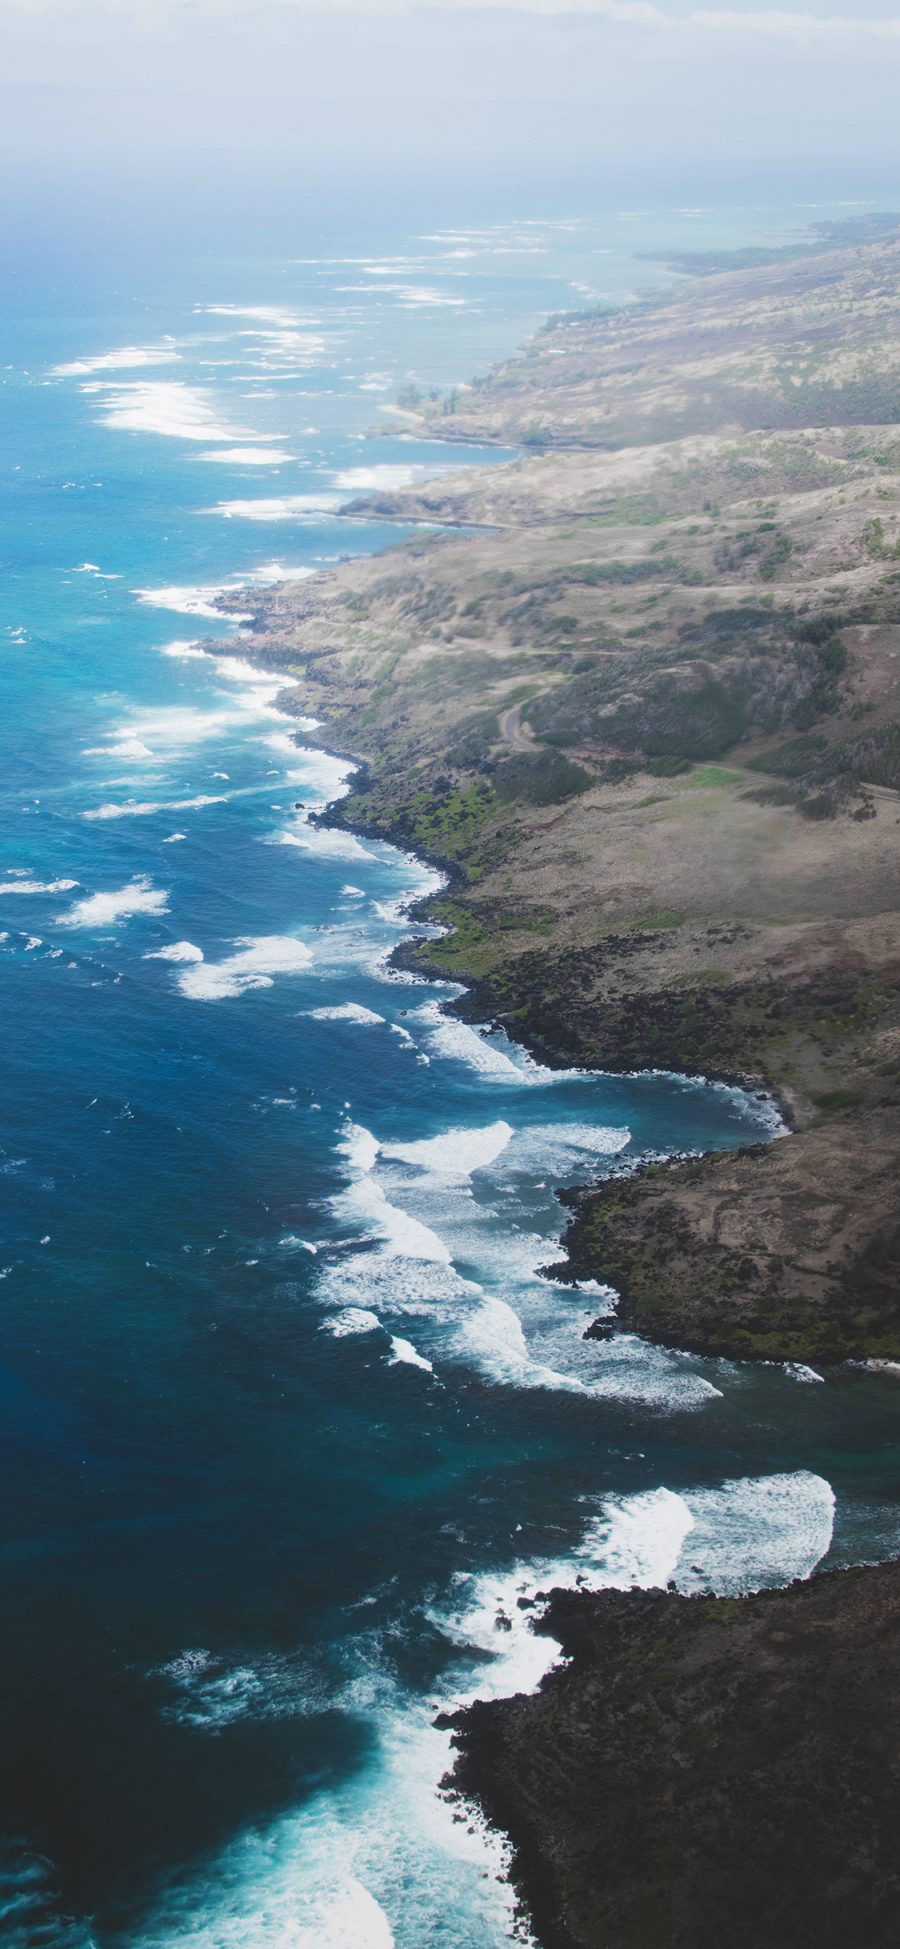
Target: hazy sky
pixel 534 89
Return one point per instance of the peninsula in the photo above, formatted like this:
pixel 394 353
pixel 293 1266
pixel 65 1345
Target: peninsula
pixel 639 693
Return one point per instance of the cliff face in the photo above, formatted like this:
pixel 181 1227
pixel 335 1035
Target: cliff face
pixel 705 1771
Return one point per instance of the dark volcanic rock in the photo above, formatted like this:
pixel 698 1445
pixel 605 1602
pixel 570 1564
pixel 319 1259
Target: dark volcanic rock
pixel 705 1773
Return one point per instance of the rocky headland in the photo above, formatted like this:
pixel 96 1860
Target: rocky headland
pixel 641 698
pixel 704 1770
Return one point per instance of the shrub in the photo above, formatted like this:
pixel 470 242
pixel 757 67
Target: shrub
pixel 542 778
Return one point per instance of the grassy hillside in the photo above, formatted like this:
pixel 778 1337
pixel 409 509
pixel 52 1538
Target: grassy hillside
pixel 644 702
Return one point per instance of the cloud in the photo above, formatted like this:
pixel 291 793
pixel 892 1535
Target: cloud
pixel 532 95
pixel 801 26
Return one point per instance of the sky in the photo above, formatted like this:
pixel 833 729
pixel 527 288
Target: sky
pixel 551 96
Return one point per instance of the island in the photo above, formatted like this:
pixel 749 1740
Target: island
pixel 638 693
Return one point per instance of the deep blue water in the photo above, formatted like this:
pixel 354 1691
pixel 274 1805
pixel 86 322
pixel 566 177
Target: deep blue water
pixel 289 1416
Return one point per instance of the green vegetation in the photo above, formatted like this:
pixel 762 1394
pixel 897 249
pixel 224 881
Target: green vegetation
pixel 877 547
pixel 732 675
pixel 666 767
pixel 712 778
pixel 663 917
pixel 544 778
pixel 595 575
pixel 765 548
pixel 447 823
pixel 822 778
pixel 637 608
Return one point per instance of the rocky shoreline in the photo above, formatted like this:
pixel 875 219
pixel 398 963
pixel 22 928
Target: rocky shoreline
pixel 643 710
pixel 703 1770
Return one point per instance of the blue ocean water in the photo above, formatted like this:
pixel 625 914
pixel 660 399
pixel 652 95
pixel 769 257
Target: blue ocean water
pixel 290 1419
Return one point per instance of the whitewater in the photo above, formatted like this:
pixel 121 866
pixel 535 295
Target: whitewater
pixel 295 1426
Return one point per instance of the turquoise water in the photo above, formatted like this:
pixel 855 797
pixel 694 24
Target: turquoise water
pixel 290 1418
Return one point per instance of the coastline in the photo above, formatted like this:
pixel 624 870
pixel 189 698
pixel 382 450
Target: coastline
pixel 782 1251
pixel 676 1780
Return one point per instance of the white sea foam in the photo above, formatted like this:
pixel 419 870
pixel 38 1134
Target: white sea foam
pixel 385 477
pixel 266 314
pixel 127 358
pixel 140 808
pixel 449 1037
pixel 353 1319
pixel 119 747
pixel 282 350
pixel 349 1918
pixel 323 842
pixel 411 296
pixel 280 572
pixel 396 911
pixel 283 507
pixel 257 961
pixel 383 1850
pixel 140 896
pixel 495 1338
pixel 320 773
pixel 404 1353
pixel 636 1540
pixel 184 649
pixel 187 600
pixel 558 1150
pixel 517 1328
pixel 626 1370
pixel 416 295
pixel 284 742
pixel 345 1012
pixel 453 1156
pixel 249 456
pixel 749 1534
pixel 177 951
pixel 210 1695
pixel 491 1053
pixel 364 1207
pixel 239 670
pixel 176 726
pixel 37 886
pixel 169 407
pixel 359 1147
pixel 756 1532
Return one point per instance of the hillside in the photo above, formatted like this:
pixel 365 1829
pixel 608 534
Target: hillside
pixel 645 704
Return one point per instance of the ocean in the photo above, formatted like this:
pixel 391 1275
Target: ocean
pixel 291 1420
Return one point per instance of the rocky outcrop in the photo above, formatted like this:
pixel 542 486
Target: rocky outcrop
pixel 705 1771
